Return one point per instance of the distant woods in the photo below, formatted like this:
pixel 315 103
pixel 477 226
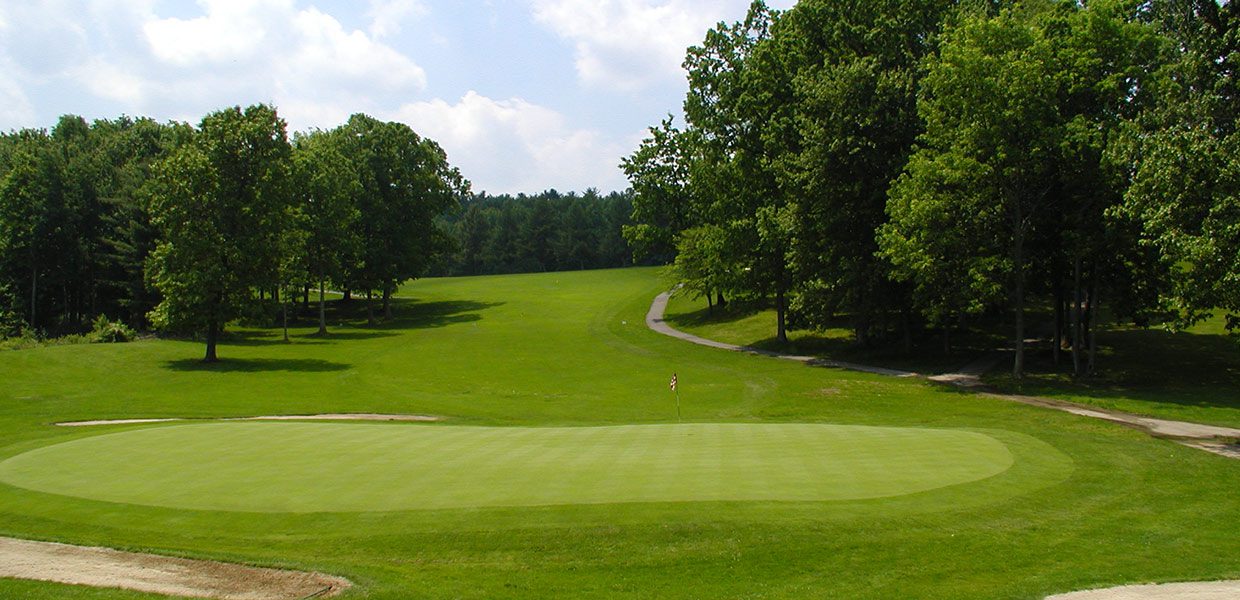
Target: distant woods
pixel 542 232
pixel 909 166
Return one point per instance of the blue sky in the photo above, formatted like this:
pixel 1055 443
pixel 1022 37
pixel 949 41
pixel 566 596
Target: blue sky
pixel 525 95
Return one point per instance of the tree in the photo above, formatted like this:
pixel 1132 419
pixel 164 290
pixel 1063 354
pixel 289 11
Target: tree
pixel 854 72
pixel 735 111
pixel 405 182
pixel 658 172
pixel 1179 158
pixel 27 215
pixel 327 186
pixel 221 204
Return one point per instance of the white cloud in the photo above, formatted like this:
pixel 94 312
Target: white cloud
pixel 109 81
pixel 516 146
pixel 386 15
pixel 631 44
pixel 15 108
pixel 229 31
pixel 303 60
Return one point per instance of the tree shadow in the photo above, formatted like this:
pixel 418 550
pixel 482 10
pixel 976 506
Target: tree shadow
pixel 336 334
pixel 1182 368
pixel 256 365
pixel 408 313
pixel 836 340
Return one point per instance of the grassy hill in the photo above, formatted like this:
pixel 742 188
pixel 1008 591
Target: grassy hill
pixel 1077 503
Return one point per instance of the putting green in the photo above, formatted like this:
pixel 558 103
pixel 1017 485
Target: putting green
pixel 311 467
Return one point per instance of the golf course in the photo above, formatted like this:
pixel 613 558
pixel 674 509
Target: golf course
pixel 556 465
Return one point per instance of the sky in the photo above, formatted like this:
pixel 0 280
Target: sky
pixel 524 95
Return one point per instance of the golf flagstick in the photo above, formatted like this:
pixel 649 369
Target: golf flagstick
pixel 677 390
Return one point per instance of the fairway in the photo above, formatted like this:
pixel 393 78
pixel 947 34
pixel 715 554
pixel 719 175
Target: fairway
pixel 310 467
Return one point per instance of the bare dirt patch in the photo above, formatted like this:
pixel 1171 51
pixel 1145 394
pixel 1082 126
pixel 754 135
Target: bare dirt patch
pixel 1198 590
pixel 319 417
pixel 105 567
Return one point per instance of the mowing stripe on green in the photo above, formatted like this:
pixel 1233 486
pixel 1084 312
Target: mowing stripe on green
pixel 312 467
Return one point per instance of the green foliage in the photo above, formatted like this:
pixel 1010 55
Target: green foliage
pixel 104 331
pixel 404 182
pixel 549 231
pixel 659 176
pixel 221 204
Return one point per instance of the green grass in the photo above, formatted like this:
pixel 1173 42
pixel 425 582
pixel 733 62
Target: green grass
pixel 1191 375
pixel 1083 502
pixel 305 467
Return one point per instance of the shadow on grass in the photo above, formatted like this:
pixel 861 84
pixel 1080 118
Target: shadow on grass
pixel 407 314
pixel 256 365
pixel 836 340
pixel 1186 369
pixel 411 314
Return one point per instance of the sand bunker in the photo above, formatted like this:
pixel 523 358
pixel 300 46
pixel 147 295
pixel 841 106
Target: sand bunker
pixel 1198 590
pixel 104 567
pixel 319 417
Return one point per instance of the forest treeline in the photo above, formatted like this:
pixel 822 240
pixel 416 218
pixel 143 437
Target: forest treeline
pixel 908 165
pixel 183 228
pixel 187 228
pixel 549 231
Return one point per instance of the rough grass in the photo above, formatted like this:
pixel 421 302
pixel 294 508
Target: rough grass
pixel 1084 503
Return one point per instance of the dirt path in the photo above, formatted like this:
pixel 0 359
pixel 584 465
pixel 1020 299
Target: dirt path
pixel 1219 440
pixel 319 417
pixel 105 567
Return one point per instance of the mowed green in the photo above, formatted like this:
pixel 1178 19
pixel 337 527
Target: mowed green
pixel 306 467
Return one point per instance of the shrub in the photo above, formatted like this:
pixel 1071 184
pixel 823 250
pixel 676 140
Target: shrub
pixel 110 332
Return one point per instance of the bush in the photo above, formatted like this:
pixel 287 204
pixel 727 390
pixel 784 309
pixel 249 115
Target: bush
pixel 110 332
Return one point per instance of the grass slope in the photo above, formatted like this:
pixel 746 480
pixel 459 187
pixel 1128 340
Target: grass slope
pixel 1084 503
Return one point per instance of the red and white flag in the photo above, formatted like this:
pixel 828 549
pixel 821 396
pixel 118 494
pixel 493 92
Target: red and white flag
pixel 673 383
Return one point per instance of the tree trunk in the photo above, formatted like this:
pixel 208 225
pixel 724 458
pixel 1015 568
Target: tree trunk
pixel 348 295
pixel 284 318
pixel 1059 317
pixel 322 308
pixel 305 298
pixel 720 301
pixel 370 307
pixel 1094 305
pixel 1018 297
pixel 710 303
pixel 1077 336
pixel 34 296
pixel 947 337
pixel 387 302
pixel 781 331
pixel 213 332
pixel 907 324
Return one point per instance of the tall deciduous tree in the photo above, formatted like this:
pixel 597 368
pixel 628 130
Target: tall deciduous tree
pixel 405 182
pixel 327 185
pixel 1180 158
pixel 221 203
